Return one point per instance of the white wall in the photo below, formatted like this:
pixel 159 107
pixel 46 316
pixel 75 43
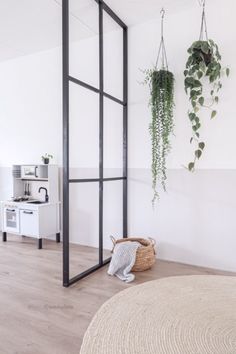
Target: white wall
pixel 194 221
pixel 30 109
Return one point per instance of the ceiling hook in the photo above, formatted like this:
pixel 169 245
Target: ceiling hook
pixel 162 12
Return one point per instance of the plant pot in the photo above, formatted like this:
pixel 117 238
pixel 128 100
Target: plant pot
pixel 203 56
pixel 160 78
pixel 46 161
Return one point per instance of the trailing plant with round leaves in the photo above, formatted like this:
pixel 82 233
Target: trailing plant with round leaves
pixel 204 62
pixel 161 83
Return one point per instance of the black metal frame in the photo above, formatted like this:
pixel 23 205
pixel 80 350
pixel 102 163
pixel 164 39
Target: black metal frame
pixel 66 179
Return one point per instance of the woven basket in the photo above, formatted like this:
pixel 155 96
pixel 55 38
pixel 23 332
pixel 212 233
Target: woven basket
pixel 146 254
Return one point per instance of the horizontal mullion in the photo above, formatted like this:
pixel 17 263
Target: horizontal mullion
pixel 84 180
pixel 94 89
pixel 114 179
pixel 84 84
pixel 114 99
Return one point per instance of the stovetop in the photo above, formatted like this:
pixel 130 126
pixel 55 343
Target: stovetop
pixel 20 199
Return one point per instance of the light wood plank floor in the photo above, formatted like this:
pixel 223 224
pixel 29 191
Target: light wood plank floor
pixel 38 315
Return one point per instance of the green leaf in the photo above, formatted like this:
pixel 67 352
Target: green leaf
pixel 205 47
pixel 197 83
pixel 212 78
pixel 199 74
pixel 193 93
pixel 196 44
pixel 201 101
pixel 189 81
pixel 202 66
pixel 197 120
pixel 201 145
pixel 191 71
pixel 213 114
pixel 189 62
pixel 198 153
pixel 197 134
pixel 191 140
pixel 185 72
pixel 227 71
pixel 191 166
pixel 217 99
pixel 212 43
pixel 193 103
pixel 192 116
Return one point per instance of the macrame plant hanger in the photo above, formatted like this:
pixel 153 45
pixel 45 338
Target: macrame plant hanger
pixel 162 50
pixel 203 23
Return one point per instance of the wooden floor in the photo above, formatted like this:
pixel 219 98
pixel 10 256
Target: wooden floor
pixel 38 315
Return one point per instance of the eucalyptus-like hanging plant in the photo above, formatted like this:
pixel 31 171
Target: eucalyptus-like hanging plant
pixel 161 84
pixel 203 70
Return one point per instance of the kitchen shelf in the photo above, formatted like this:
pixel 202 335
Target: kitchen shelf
pixel 33 179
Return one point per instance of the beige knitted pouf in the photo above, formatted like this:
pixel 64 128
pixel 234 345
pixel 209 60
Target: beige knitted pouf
pixel 177 315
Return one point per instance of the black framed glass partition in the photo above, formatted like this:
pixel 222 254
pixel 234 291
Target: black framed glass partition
pixel 94 134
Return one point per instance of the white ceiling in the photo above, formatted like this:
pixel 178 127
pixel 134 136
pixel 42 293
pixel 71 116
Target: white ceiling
pixel 28 26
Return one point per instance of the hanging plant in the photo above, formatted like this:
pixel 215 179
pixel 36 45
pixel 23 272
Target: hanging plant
pixel 203 67
pixel 161 84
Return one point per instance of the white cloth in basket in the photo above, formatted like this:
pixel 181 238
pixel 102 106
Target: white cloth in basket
pixel 123 259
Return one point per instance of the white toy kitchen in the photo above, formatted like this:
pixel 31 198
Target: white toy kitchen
pixel 34 208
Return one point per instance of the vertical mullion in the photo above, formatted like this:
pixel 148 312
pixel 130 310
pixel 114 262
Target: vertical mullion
pixel 125 132
pixel 101 112
pixel 65 53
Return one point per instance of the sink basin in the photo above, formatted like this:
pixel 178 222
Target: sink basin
pixel 36 202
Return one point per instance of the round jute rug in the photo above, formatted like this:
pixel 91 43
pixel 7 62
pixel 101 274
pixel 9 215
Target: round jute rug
pixel 177 315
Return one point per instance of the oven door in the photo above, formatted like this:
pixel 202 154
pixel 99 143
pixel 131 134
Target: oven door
pixel 11 220
pixel 34 172
pixel 29 172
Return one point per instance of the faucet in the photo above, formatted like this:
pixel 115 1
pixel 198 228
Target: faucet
pixel 46 193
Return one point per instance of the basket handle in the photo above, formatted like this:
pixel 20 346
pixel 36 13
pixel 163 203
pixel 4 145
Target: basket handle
pixel 113 240
pixel 152 241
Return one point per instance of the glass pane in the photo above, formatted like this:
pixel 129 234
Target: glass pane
pixel 113 57
pixel 113 139
pixel 84 132
pixel 84 226
pixel 84 41
pixel 112 214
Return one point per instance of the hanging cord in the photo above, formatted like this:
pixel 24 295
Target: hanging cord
pixel 162 50
pixel 203 23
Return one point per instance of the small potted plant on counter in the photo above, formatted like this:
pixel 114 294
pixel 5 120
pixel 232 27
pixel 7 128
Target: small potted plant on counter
pixel 46 158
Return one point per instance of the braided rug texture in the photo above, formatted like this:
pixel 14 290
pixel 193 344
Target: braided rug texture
pixel 176 315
